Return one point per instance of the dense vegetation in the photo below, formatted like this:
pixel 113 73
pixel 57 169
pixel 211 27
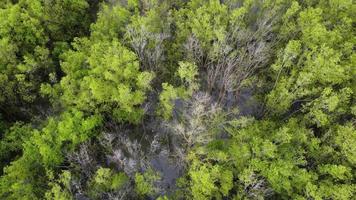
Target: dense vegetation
pixel 177 99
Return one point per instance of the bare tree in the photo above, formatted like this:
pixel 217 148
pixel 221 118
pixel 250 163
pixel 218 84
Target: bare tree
pixel 192 125
pixel 242 53
pixel 147 45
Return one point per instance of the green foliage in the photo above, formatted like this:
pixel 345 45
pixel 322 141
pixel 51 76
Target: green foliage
pixel 30 30
pixel 21 27
pixel 166 99
pixel 110 23
pixel 287 159
pixel 345 140
pixel 12 140
pixel 187 73
pixel 3 127
pixel 104 63
pixel 60 189
pixel 20 79
pixel 313 79
pixel 209 181
pixel 296 56
pixel 65 19
pixel 72 129
pixel 25 178
pixel 145 182
pixel 207 22
pixel 314 68
pixel 44 150
pixel 106 180
pixel 99 61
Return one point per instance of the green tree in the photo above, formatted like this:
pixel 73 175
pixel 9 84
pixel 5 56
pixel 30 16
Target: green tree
pixel 32 33
pixel 11 142
pixel 101 74
pixel 106 180
pixel 104 76
pixel 23 56
pixel 110 23
pixel 43 151
pixel 314 69
pixel 187 73
pixel 145 182
pixel 268 158
pixel 60 189
pixel 192 58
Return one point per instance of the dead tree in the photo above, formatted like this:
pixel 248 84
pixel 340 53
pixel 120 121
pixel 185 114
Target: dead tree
pixel 242 53
pixel 147 45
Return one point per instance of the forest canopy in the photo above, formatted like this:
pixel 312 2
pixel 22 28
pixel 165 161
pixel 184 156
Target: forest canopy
pixel 177 99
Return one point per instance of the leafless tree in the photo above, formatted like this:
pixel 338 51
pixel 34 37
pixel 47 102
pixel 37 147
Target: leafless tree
pixel 194 120
pixel 258 187
pixel 84 159
pixel 230 62
pixel 147 45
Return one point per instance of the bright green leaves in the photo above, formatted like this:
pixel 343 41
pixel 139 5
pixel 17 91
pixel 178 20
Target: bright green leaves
pixel 105 75
pixel 118 180
pixel 32 23
pixel 12 140
pixel 102 75
pixel 167 97
pixel 44 151
pixel 302 147
pixel 30 32
pixel 341 191
pixel 106 180
pixel 326 63
pixel 45 142
pixel 72 129
pixel 23 29
pixel 202 183
pixel 225 179
pixel 209 181
pixel 313 31
pixel 145 182
pixel 22 55
pixel 329 102
pixel 77 128
pixel 259 152
pixel 27 79
pixel 144 79
pixel 286 158
pixel 345 139
pixel 110 23
pixel 290 55
pixel 314 70
pixel 60 188
pixel 7 52
pixel 287 179
pixel 289 24
pixel 336 171
pixel 207 22
pixel 187 73
pixel 25 178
